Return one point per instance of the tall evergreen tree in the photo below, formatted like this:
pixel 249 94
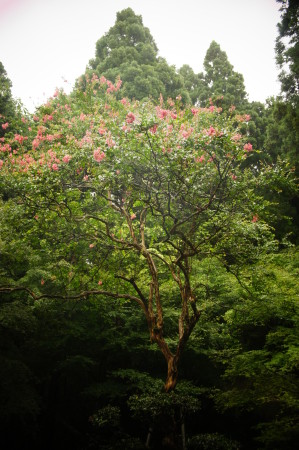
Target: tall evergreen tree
pixel 129 51
pixel 221 81
pixel 287 49
pixel 7 106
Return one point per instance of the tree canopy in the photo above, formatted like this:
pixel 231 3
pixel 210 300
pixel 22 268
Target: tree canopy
pixel 7 104
pixel 129 51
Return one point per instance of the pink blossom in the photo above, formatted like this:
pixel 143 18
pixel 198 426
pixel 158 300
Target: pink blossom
pixel 194 111
pixel 234 177
pixel 42 281
pixel 153 130
pixel 94 78
pixel 36 217
pixel 66 158
pixel 162 113
pixel 243 118
pixel 133 216
pixel 117 172
pixel 111 87
pixel 47 117
pixel 19 138
pixel 200 160
pixel 54 167
pixel 211 131
pixel 82 117
pixel 110 142
pixel 130 117
pixel 5 125
pixel 35 118
pixel 236 137
pixel 98 155
pixel 118 84
pixel 85 178
pixel 100 282
pixel 91 245
pixel 101 131
pixel 1 163
pixel 255 218
pixel 247 147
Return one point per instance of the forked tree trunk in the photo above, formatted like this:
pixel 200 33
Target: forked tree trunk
pixel 172 374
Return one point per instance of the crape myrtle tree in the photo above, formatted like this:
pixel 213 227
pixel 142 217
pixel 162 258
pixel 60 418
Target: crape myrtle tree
pixel 125 200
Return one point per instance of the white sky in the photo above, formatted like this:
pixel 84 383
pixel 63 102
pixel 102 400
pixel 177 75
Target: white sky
pixel 43 42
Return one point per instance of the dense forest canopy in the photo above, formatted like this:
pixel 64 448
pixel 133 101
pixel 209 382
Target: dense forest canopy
pixel 149 263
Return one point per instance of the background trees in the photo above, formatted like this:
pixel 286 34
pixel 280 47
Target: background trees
pixel 7 104
pixel 129 51
pixel 221 81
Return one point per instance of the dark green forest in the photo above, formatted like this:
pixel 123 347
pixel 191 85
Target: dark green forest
pixel 149 254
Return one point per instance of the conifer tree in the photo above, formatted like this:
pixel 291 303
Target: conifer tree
pixel 287 49
pixel 129 51
pixel 7 107
pixel 221 81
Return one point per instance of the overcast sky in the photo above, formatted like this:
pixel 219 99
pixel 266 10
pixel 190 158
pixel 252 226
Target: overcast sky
pixel 44 42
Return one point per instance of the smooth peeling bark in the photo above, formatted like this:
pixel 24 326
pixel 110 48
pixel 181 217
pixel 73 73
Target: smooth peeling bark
pixel 172 374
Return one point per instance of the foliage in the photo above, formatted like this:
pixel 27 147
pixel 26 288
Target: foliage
pixel 165 210
pixel 262 370
pixel 287 46
pixel 215 441
pixel 221 80
pixel 139 188
pixel 128 51
pixel 8 107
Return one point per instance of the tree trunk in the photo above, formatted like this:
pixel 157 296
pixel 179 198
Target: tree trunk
pixel 172 374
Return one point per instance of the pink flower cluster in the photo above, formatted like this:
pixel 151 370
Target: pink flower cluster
pixel 236 137
pixel 47 117
pixel 87 139
pixel 130 117
pixel 5 148
pixel 66 158
pixel 20 139
pixel 185 133
pixel 163 113
pixel 112 87
pixel 243 117
pixel 247 147
pixel 98 155
pixel 200 159
pixel 110 142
